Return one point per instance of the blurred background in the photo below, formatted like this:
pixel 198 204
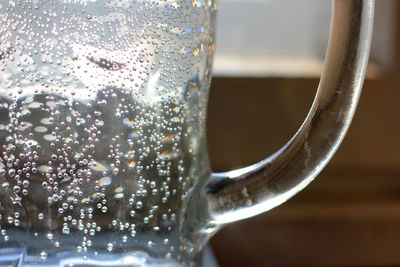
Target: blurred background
pixel 269 58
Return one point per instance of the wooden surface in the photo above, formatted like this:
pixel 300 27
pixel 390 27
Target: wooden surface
pixel 350 215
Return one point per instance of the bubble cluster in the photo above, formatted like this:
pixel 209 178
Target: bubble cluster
pixel 102 112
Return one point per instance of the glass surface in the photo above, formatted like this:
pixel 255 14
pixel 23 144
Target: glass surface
pixel 103 156
pixel 102 111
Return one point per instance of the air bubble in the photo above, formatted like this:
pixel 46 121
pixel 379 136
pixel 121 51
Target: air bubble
pixel 5 185
pixel 65 231
pixel 92 232
pixel 43 255
pixel 95 118
pixel 11 172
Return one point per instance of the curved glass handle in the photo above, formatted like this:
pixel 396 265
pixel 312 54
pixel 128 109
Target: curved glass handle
pixel 230 196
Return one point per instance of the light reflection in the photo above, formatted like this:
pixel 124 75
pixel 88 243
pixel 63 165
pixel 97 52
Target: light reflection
pixel 132 164
pixel 105 181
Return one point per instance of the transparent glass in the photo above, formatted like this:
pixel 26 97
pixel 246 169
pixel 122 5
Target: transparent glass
pixel 102 130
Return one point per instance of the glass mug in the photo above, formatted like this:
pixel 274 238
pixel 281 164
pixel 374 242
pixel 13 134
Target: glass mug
pixel 102 131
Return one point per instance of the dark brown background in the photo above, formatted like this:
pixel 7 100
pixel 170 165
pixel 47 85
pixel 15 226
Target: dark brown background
pixel 350 215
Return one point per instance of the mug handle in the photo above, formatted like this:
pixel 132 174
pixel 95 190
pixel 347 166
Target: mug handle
pixel 230 196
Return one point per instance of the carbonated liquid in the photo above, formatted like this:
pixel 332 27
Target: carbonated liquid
pixel 102 110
